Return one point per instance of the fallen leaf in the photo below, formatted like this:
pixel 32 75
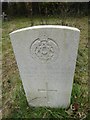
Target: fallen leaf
pixel 75 107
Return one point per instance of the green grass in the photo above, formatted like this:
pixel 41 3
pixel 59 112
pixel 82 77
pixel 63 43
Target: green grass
pixel 0 67
pixel 14 100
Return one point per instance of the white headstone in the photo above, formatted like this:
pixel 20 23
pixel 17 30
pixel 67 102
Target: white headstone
pixel 46 57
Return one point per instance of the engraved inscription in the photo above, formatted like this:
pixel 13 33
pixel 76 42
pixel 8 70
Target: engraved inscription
pixel 44 50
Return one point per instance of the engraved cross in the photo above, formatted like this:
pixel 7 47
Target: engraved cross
pixel 47 90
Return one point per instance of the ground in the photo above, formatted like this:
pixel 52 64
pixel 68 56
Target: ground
pixel 14 100
pixel 0 69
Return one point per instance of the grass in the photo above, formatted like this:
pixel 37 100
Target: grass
pixel 0 67
pixel 14 99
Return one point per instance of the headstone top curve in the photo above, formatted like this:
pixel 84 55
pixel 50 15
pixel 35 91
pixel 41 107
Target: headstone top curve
pixel 45 26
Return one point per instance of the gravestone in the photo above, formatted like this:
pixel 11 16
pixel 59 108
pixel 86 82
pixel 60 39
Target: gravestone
pixel 46 57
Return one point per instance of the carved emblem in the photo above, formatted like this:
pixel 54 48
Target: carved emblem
pixel 44 50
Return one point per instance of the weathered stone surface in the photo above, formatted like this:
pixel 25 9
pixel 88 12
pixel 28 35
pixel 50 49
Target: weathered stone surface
pixel 46 57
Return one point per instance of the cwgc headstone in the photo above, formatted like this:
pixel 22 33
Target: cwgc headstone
pixel 46 57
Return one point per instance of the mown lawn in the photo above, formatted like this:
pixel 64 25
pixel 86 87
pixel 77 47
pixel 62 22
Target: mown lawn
pixel 14 100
